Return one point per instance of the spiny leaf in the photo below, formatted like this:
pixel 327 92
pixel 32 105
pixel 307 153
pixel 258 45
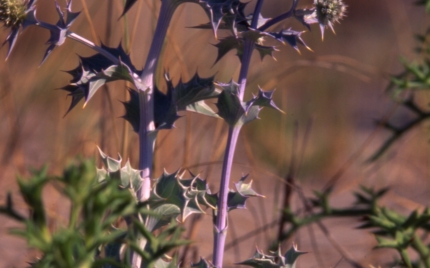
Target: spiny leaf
pixel 165 110
pixel 187 96
pixel 258 38
pixel 227 44
pixel 387 243
pixel 113 73
pixel 165 113
pixel 165 214
pixel 261 260
pixel 291 37
pixel 201 107
pixel 290 257
pixel 128 4
pixel 31 191
pixel 264 99
pixel 237 200
pixel 132 109
pixel 89 75
pixel 305 16
pixel 236 22
pixel 265 50
pixel 98 62
pixel 58 37
pixel 11 40
pixel 127 177
pixel 187 194
pixel 232 10
pixel 111 164
pixel 195 90
pixel 237 42
pixel 260 22
pixel 245 189
pixel 90 82
pixel 231 109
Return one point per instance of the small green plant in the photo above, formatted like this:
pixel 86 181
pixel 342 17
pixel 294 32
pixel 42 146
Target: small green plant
pixel 403 86
pixel 90 238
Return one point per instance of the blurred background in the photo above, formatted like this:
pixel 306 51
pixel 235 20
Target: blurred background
pixel 331 97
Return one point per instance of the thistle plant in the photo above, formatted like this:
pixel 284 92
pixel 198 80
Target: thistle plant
pixel 149 111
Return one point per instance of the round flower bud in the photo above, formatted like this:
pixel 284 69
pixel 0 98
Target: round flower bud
pixel 12 12
pixel 329 11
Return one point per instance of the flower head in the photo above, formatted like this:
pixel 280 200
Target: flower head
pixel 14 14
pixel 329 12
pixel 324 12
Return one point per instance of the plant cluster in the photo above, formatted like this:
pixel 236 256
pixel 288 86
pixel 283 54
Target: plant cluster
pixel 403 87
pixel 122 216
pixel 149 110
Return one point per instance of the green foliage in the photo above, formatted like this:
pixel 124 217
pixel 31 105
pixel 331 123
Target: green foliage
pixel 425 3
pixel 172 195
pixel 414 77
pixel 399 232
pixel 126 177
pixel 318 208
pixel 89 239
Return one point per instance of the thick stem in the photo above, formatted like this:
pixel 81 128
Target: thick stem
pixel 221 217
pixel 147 132
pixel 233 134
pixel 248 47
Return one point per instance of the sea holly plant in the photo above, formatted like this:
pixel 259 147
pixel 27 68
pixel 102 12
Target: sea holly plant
pixel 149 111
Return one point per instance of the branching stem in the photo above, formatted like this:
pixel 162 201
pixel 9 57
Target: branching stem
pixel 280 18
pixel 81 40
pixel 147 132
pixel 221 223
pixel 221 217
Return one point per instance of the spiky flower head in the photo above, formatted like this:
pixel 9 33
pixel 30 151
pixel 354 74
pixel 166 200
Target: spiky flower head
pixel 13 12
pixel 16 14
pixel 329 12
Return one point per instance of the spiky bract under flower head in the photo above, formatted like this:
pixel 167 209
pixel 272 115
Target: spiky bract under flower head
pixel 12 12
pixel 329 11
